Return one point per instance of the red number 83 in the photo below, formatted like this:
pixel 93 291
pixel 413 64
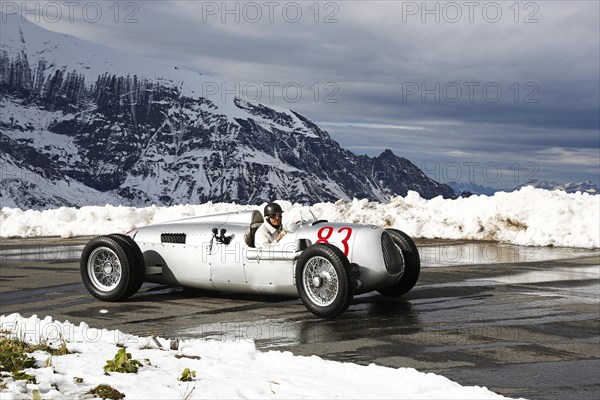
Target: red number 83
pixel 325 233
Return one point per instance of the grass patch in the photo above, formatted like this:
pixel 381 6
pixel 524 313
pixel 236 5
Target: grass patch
pixel 23 376
pixel 13 357
pixel 179 356
pixel 187 375
pixel 62 349
pixel 122 363
pixel 106 392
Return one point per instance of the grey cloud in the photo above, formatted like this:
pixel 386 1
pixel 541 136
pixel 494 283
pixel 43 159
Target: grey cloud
pixel 375 50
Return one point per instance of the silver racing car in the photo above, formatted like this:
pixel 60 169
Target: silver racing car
pixel 323 263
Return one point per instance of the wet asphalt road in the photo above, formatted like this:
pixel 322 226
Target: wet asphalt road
pixel 525 322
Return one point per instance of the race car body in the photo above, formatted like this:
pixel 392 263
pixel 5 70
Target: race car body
pixel 324 263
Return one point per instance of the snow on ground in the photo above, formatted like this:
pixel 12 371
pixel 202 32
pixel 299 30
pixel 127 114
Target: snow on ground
pixel 534 217
pixel 223 370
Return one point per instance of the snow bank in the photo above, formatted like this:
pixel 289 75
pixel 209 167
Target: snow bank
pixel 223 370
pixel 530 216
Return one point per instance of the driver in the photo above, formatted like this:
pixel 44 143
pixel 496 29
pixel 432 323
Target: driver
pixel 271 231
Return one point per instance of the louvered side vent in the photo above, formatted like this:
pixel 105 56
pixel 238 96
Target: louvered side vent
pixel 391 255
pixel 172 238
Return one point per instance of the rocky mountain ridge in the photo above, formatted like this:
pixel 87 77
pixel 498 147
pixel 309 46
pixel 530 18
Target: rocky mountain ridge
pixel 138 133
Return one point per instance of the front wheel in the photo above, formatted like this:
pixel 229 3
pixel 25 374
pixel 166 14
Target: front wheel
pixel 412 264
pixel 139 263
pixel 324 280
pixel 109 269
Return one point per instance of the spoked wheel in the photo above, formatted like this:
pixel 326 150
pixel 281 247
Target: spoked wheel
pixel 412 264
pixel 324 280
pixel 320 281
pixel 104 269
pixel 109 269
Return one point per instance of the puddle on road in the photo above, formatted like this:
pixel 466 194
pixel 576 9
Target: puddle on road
pixel 441 255
pixel 560 274
pixel 575 284
pixel 265 333
pixel 379 317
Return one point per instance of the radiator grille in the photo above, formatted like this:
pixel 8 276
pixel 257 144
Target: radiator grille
pixel 394 263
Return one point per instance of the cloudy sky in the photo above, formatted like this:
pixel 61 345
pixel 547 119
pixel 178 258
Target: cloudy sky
pixel 490 92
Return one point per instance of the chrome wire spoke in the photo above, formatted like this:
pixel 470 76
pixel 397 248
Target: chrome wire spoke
pixel 104 269
pixel 321 281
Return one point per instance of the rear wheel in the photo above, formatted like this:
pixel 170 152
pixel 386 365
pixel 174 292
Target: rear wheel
pixel 109 269
pixel 324 280
pixel 412 264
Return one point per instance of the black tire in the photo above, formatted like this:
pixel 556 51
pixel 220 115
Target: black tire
pixel 334 271
pixel 140 265
pixel 108 268
pixel 412 264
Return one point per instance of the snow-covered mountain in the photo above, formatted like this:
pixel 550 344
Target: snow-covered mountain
pixel 462 189
pixel 569 187
pixel 85 124
pixel 470 188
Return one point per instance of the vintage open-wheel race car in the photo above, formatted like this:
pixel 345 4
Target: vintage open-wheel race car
pixel 323 263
